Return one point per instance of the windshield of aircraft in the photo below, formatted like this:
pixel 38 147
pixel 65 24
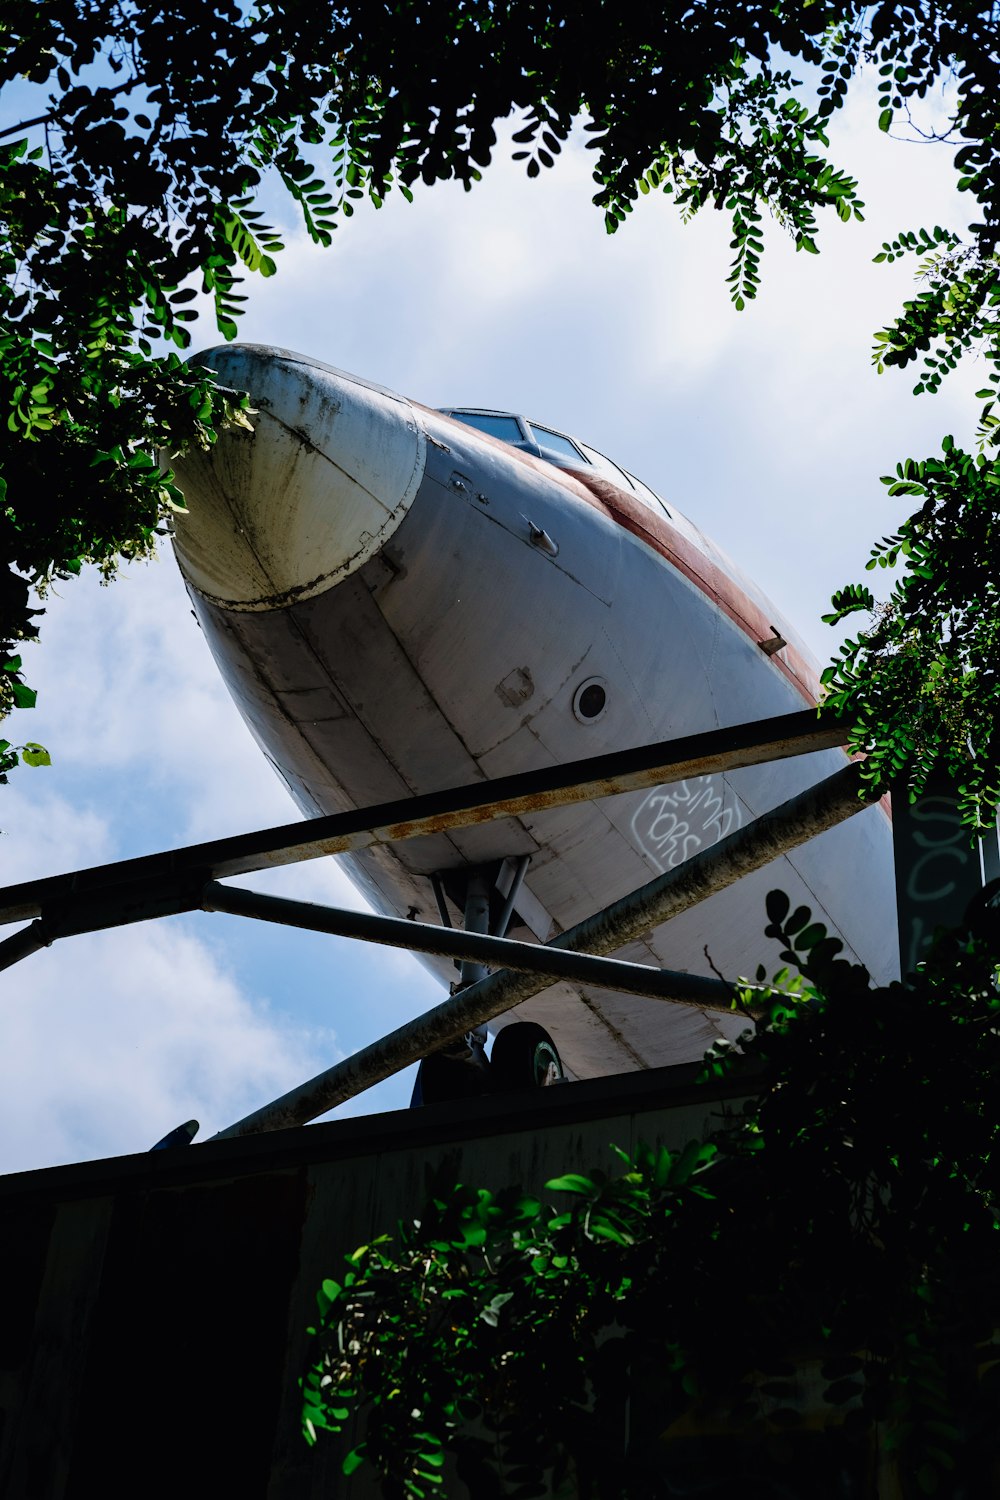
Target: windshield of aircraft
pixel 554 444
pixel 556 448
pixel 494 424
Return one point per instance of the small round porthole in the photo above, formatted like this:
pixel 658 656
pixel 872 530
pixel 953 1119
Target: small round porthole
pixel 590 700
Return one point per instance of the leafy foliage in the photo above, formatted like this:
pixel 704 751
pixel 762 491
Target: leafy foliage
pixel 589 1345
pixel 955 311
pixel 923 682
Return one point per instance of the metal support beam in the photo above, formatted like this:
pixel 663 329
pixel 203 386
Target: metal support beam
pixel 516 882
pixel 92 911
pixel 30 939
pixel 775 833
pixel 477 920
pixel 476 947
pixel 163 884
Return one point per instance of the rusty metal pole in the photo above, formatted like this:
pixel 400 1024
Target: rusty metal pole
pixel 480 948
pixel 758 843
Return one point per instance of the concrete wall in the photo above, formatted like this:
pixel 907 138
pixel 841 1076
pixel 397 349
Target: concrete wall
pixel 154 1307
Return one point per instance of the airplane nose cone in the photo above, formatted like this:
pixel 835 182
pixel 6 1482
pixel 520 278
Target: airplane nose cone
pixel 284 512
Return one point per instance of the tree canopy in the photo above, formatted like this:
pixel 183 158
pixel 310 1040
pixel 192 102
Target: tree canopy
pixel 133 182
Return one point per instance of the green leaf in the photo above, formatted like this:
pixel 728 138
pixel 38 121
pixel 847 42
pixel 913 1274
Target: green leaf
pixel 24 697
pixel 572 1182
pixel 604 1230
pixel 35 755
pixel 695 1154
pixel 328 1293
pixel 354 1459
pixel 491 1312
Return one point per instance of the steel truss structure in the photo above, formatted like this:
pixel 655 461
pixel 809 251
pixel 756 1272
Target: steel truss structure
pixel 189 879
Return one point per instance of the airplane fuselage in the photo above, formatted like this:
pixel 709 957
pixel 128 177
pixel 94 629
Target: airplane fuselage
pixel 399 602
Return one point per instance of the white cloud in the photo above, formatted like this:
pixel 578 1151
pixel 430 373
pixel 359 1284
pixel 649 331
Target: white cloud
pixel 112 1039
pixel 44 834
pixel 127 686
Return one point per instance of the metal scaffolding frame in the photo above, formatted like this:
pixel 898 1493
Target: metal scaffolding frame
pixel 188 879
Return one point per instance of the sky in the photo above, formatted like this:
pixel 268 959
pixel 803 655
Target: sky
pixel 768 428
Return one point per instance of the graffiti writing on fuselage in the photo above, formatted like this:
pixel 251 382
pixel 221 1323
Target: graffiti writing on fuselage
pixel 676 821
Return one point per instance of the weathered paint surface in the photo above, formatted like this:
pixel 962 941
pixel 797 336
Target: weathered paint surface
pixel 412 673
pixel 305 499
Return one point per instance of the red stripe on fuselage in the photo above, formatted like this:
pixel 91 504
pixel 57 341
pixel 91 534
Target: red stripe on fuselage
pixel 701 569
pixel 656 531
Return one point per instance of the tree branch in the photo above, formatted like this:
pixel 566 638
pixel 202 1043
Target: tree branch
pixel 56 114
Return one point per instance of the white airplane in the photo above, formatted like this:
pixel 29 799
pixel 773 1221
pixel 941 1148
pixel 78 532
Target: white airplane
pixel 401 600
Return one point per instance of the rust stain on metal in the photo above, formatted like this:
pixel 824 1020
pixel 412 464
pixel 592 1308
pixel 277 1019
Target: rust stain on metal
pixel 605 786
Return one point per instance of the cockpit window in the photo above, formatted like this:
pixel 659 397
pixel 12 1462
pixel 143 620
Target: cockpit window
pixel 493 423
pixel 651 498
pixel 558 449
pixel 600 461
pixel 554 442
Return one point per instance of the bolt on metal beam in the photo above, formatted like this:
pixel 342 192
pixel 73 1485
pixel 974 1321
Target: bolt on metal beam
pixel 756 844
